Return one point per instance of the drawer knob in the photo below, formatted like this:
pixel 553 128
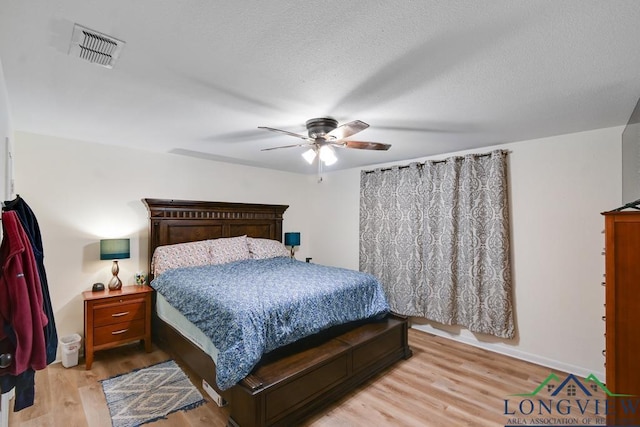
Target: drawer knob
pixel 124 313
pixel 121 331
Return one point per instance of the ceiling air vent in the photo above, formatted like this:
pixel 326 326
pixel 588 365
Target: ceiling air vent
pixel 95 47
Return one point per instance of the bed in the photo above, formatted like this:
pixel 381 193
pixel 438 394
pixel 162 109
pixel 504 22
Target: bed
pixel 290 382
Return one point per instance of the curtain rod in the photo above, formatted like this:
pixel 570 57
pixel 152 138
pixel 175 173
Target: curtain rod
pixel 439 161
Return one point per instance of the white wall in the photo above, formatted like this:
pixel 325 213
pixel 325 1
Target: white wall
pixel 82 192
pixel 6 135
pixel 631 158
pixel 559 186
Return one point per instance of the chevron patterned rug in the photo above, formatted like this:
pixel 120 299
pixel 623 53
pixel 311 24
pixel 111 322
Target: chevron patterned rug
pixel 149 394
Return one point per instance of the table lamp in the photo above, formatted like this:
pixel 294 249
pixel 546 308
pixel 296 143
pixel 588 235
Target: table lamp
pixel 293 240
pixel 114 249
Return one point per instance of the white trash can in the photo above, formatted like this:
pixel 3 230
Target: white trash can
pixel 70 348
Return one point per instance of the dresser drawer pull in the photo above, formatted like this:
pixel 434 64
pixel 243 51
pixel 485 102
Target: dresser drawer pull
pixel 124 313
pixel 604 353
pixel 121 331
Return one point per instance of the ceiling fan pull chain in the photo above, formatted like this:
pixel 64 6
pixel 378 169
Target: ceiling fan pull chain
pixel 319 169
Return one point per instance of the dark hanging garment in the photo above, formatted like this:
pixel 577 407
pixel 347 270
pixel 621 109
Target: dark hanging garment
pixel 30 224
pixel 24 382
pixel 22 319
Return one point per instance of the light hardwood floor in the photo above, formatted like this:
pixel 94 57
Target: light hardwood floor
pixel 445 383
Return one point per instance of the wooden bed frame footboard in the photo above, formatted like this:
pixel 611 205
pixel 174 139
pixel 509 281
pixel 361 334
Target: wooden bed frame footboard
pixel 295 381
pixel 299 383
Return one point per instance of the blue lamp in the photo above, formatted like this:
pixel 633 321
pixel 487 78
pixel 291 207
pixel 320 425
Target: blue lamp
pixel 293 240
pixel 114 249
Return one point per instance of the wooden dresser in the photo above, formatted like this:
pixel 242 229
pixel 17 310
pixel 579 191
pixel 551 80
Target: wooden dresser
pixel 112 318
pixel 622 280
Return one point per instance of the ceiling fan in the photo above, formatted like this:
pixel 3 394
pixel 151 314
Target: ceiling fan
pixel 324 135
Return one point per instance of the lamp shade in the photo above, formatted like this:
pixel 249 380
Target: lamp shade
pixel 309 155
pixel 292 239
pixel 114 249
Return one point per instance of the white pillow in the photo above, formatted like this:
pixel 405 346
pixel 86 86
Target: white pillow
pixel 266 248
pixel 189 254
pixel 229 249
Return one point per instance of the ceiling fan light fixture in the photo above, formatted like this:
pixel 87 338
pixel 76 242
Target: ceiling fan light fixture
pixel 324 135
pixel 309 155
pixel 328 155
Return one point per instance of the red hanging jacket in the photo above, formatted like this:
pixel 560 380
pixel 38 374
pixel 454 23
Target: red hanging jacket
pixel 20 299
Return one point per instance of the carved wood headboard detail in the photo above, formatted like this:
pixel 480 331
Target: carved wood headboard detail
pixel 180 221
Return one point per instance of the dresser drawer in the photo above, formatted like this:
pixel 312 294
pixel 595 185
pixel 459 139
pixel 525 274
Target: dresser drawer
pixel 118 332
pixel 116 312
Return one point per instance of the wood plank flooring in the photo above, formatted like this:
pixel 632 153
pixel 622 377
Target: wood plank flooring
pixel 445 383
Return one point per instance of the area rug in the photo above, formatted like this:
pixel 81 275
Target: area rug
pixel 148 394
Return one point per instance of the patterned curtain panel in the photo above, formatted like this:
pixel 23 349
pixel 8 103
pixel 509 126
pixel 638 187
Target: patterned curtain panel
pixel 437 236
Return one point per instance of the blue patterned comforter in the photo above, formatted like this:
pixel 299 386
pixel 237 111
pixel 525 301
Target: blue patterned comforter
pixel 248 308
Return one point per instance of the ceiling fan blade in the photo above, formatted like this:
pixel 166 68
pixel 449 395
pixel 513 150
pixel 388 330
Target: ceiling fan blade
pixel 364 145
pixel 285 146
pixel 297 135
pixel 348 129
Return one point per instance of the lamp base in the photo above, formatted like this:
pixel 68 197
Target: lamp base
pixel 293 252
pixel 115 283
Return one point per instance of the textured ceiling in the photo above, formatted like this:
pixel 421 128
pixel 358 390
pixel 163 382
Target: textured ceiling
pixel 430 77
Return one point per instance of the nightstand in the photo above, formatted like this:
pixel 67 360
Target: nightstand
pixel 112 318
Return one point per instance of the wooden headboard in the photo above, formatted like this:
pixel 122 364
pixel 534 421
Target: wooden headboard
pixel 180 221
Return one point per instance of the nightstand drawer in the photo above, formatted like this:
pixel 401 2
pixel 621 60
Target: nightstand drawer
pixel 118 332
pixel 107 314
pixel 116 317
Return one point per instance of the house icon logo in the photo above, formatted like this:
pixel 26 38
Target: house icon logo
pixel 572 386
pixel 570 400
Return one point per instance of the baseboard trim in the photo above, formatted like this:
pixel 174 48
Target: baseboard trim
pixel 515 353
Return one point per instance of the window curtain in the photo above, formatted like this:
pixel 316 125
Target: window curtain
pixel 437 236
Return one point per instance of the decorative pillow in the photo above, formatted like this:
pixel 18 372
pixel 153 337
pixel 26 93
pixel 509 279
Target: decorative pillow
pixel 189 254
pixel 266 248
pixel 228 249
